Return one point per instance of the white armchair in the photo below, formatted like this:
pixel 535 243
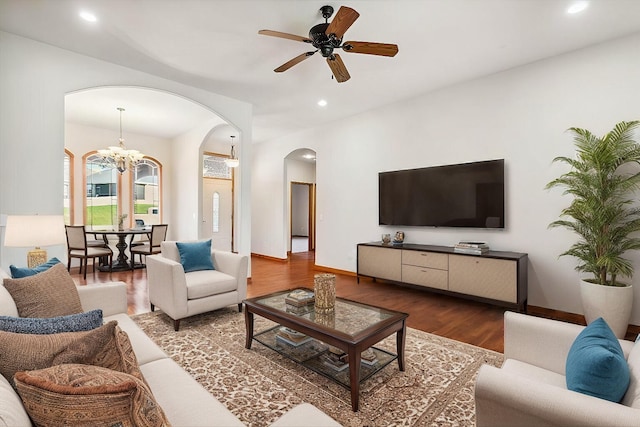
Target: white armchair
pixel 180 294
pixel 530 388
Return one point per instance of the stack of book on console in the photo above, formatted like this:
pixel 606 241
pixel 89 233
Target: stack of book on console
pixel 291 337
pixel 300 298
pixel 473 248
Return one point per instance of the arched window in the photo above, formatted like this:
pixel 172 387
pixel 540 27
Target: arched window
pixel 216 212
pixel 100 193
pixel 107 196
pixel 68 187
pixel 146 191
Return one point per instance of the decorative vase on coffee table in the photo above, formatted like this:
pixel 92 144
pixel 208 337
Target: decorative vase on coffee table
pixel 324 287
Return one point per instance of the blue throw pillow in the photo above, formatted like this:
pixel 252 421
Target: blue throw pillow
pixel 195 256
pixel 596 365
pixel 52 325
pixel 19 272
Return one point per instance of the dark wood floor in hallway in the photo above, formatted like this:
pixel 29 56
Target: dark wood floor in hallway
pixel 459 319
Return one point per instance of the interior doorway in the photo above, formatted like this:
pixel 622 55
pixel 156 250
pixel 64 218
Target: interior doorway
pixel 300 192
pixel 302 225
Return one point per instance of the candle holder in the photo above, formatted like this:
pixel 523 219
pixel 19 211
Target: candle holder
pixel 324 287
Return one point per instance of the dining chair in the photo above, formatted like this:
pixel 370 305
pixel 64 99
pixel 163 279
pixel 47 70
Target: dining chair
pixel 77 248
pixel 157 236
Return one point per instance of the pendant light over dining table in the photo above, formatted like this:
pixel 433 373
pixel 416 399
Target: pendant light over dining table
pixel 118 156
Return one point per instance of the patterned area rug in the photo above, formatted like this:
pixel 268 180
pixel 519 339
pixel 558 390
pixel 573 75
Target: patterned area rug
pixel 259 385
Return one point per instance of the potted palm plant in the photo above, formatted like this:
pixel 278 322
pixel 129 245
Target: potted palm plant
pixel 604 175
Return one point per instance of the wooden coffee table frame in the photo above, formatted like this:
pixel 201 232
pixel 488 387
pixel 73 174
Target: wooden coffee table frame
pixel 353 345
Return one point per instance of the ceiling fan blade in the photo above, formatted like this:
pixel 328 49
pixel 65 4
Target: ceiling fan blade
pixel 382 49
pixel 298 59
pixel 342 21
pixel 337 67
pixel 285 36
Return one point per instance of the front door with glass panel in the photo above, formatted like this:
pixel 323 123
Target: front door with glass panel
pixel 217 203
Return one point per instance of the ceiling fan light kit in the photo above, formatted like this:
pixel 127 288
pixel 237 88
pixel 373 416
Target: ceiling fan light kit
pixel 327 36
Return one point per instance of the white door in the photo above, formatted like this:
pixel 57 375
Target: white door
pixel 217 215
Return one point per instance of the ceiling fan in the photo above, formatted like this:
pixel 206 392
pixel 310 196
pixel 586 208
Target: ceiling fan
pixel 327 37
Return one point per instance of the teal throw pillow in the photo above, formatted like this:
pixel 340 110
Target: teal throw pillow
pixel 195 256
pixel 19 272
pixel 52 325
pixel 596 365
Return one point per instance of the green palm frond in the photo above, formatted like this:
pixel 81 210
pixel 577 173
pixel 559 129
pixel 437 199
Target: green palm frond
pixel 604 176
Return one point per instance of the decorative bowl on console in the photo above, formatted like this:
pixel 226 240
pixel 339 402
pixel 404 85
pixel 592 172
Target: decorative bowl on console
pixel 399 237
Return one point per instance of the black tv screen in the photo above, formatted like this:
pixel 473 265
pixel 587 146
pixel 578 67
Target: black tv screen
pixel 461 195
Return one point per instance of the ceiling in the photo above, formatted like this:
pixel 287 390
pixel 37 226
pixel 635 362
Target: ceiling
pixel 215 45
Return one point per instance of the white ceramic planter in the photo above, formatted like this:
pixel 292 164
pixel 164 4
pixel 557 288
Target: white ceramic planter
pixel 612 303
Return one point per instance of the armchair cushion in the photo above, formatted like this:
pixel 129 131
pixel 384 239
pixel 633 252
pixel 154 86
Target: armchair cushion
pixel 18 272
pixel 204 283
pixel 195 256
pixel 596 364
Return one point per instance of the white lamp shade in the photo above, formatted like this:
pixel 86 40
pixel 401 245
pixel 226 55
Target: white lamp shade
pixel 24 231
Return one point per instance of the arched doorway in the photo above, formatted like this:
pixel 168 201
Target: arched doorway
pixel 167 127
pixel 218 189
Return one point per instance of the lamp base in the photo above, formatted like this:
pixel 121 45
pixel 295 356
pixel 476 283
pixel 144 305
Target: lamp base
pixel 36 257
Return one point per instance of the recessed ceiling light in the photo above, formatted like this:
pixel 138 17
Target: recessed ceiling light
pixel 322 103
pixel 578 7
pixel 309 156
pixel 88 16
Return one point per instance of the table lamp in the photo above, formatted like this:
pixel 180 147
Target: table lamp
pixel 34 231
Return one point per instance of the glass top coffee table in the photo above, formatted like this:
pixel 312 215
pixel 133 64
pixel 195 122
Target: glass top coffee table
pixel 338 345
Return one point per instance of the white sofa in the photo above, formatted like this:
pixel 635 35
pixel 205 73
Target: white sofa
pixel 179 294
pixel 530 388
pixel 184 401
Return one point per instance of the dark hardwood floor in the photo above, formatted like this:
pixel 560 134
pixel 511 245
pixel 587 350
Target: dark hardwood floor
pixel 468 321
pixel 456 318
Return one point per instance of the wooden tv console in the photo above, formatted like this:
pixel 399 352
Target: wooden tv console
pixel 495 277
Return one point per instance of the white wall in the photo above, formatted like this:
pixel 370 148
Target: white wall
pixel 520 115
pixel 34 78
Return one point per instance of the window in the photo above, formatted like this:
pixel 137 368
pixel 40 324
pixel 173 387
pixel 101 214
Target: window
pixel 105 199
pixel 213 166
pixel 216 212
pixel 101 193
pixel 145 192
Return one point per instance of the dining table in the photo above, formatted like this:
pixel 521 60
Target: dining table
pixel 121 263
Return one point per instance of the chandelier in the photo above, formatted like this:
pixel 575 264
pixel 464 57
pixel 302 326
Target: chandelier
pixel 232 161
pixel 118 156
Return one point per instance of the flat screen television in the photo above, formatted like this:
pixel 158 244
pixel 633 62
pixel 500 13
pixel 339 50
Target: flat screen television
pixel 461 195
